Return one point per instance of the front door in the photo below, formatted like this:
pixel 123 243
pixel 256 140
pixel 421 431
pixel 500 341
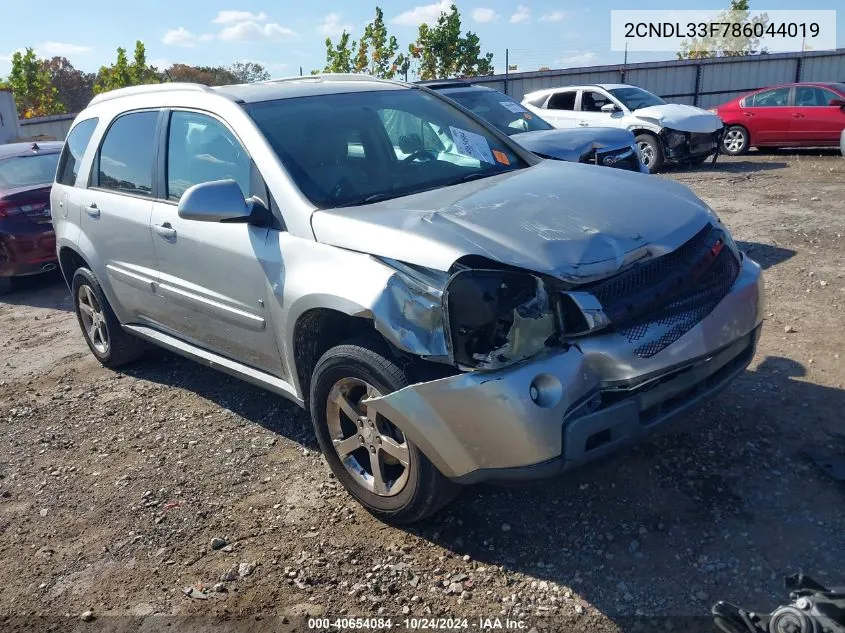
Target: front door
pixel 210 273
pixel 589 110
pixel 116 210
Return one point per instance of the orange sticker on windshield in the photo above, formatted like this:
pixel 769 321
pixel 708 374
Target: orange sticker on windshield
pixel 528 116
pixel 501 157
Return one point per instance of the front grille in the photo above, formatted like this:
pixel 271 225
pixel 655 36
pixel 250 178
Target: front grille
pixel 655 303
pixel 623 158
pixel 701 142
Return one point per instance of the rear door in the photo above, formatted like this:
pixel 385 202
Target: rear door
pixel 116 210
pixel 814 120
pixel 768 116
pixel 210 274
pixel 560 109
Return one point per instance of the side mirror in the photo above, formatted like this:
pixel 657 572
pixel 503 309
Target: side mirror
pixel 609 108
pixel 219 201
pixel 839 103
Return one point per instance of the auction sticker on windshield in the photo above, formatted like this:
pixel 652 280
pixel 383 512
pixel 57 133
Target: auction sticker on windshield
pixel 513 107
pixel 471 144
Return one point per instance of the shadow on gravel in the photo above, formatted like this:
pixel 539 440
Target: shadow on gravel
pixel 765 254
pixel 733 167
pixel 701 513
pixel 241 398
pixel 47 290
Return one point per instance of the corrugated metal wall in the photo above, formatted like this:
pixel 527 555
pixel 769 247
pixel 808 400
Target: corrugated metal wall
pixel 49 127
pixel 717 80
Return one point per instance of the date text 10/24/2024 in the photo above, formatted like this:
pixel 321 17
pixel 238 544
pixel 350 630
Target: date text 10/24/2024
pixel 417 624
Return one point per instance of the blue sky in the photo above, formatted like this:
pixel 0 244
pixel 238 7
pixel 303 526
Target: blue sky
pixel 285 36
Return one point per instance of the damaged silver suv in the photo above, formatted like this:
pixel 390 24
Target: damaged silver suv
pixel 449 307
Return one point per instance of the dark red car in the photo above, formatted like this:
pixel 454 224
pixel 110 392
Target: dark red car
pixel 810 114
pixel 27 241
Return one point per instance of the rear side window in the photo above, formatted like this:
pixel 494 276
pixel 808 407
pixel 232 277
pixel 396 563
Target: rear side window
pixel 75 146
pixel 562 101
pixel 27 171
pixel 537 102
pixel 127 155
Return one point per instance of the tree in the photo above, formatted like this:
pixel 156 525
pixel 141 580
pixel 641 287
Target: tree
pixel 139 71
pixel 74 88
pixel 206 75
pixel 720 46
pixel 338 57
pixel 248 72
pixel 384 47
pixel 442 52
pixel 116 76
pixel 30 83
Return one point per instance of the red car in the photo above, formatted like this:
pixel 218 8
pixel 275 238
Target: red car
pixel 792 115
pixel 27 241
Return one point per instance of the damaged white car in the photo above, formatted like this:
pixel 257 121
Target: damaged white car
pixel 447 314
pixel 665 132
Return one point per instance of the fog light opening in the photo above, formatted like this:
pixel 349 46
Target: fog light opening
pixel 545 391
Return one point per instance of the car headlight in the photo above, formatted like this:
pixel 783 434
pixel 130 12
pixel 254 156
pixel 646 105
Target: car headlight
pixel 496 317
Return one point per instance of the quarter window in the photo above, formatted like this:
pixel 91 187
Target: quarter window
pixel 201 149
pixel 127 155
pixel 562 101
pixel 75 146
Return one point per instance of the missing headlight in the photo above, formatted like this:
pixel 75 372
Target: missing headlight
pixel 497 317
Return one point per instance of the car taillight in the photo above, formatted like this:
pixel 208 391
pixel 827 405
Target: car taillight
pixel 32 209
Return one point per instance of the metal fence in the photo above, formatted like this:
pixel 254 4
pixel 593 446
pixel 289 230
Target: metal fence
pixel 53 127
pixel 705 83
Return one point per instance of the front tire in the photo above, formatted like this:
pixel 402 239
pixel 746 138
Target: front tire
pixel 380 467
pixel 106 338
pixel 735 142
pixel 651 153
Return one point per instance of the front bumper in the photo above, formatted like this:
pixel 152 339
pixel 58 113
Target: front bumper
pixel 694 145
pixel 564 408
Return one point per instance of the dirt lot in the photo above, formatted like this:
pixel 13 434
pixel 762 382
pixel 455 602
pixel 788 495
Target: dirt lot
pixel 113 485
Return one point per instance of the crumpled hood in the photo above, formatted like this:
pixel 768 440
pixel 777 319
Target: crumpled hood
pixel 684 118
pixel 571 144
pixel 569 220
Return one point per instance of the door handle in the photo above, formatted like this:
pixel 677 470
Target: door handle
pixel 165 230
pixel 797 115
pixel 748 113
pixel 93 210
pixel 583 123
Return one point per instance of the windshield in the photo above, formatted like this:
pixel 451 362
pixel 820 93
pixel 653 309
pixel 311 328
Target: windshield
pixel 636 98
pixel 26 171
pixel 499 110
pixel 362 147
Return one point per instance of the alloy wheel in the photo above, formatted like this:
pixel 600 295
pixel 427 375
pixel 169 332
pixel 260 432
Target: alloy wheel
pixel 93 319
pixel 734 141
pixel 646 153
pixel 373 451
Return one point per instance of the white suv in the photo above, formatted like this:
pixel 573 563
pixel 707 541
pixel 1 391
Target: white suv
pixel 665 131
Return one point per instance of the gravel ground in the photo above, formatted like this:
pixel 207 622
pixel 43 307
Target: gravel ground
pixel 120 492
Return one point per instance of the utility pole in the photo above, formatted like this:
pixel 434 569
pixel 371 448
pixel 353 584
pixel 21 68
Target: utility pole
pixel 300 71
pixel 507 68
pixel 625 63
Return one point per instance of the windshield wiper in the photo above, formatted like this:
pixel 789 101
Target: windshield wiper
pixel 375 197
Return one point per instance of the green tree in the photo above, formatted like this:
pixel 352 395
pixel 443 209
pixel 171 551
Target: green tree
pixel 719 46
pixel 384 47
pixel 30 83
pixel 118 75
pixel 338 56
pixel 206 75
pixel 443 52
pixel 248 72
pixel 139 71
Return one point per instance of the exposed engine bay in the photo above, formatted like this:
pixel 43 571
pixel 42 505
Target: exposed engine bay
pixel 813 608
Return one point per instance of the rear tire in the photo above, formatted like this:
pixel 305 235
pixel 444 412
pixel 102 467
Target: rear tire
pixel 106 338
pixel 5 285
pixel 346 374
pixel 735 141
pixel 651 152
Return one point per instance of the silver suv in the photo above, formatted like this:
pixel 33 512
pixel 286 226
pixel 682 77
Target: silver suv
pixel 449 307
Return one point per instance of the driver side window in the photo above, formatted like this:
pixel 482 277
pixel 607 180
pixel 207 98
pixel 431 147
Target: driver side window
pixel 201 149
pixel 592 101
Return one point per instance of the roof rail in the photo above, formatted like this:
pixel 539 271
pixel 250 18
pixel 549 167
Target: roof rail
pixel 329 77
pixel 147 89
